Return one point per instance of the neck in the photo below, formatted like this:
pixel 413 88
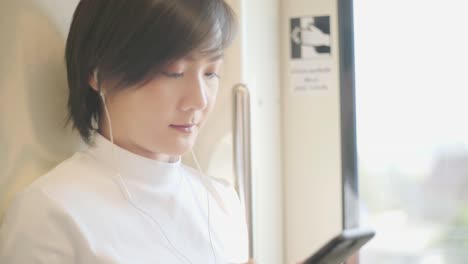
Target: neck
pixel 137 149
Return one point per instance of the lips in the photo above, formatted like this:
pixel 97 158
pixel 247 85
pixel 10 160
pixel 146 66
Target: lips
pixel 185 128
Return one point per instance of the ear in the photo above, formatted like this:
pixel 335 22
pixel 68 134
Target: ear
pixel 93 81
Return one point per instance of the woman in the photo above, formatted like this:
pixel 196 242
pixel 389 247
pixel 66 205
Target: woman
pixel 143 77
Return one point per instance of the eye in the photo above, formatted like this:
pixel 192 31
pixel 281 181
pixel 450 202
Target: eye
pixel 175 75
pixel 212 75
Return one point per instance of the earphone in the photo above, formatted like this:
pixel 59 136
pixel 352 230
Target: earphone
pixel 127 194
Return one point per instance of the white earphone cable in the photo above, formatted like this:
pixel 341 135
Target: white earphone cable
pixel 208 202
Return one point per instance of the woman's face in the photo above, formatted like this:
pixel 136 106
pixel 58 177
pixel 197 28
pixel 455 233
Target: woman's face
pixel 162 118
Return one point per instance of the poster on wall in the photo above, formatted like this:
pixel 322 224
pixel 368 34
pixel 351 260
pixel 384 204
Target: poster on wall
pixel 311 57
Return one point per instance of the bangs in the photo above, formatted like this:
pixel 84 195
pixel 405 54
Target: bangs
pixel 171 30
pixel 214 29
pixel 203 26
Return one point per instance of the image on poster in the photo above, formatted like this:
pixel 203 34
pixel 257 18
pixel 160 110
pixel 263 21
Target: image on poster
pixel 311 53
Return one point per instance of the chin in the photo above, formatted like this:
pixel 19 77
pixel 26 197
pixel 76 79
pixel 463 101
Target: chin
pixel 180 148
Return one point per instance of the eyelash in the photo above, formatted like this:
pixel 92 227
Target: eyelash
pixel 212 75
pixel 175 75
pixel 178 75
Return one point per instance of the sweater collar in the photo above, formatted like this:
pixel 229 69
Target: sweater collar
pixel 134 168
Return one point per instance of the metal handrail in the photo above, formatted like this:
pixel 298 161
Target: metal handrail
pixel 242 154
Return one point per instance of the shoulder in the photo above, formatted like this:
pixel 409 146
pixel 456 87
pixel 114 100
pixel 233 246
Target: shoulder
pixel 35 228
pixel 73 187
pixel 218 183
pixel 44 197
pixel 76 177
pixel 221 190
pixel 60 173
pixel 29 207
pixel 74 169
pixel 44 221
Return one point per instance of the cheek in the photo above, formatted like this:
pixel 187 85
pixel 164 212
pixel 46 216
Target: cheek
pixel 157 98
pixel 147 105
pixel 209 108
pixel 213 92
pixel 211 100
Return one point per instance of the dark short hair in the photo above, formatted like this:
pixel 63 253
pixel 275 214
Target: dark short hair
pixel 128 41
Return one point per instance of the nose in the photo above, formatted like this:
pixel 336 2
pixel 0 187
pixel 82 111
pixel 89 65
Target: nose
pixel 196 96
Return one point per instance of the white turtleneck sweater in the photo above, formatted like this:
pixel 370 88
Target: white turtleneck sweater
pixel 79 212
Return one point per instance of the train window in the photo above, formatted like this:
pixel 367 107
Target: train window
pixel 412 129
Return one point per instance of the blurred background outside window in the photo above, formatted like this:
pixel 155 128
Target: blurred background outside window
pixel 412 129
